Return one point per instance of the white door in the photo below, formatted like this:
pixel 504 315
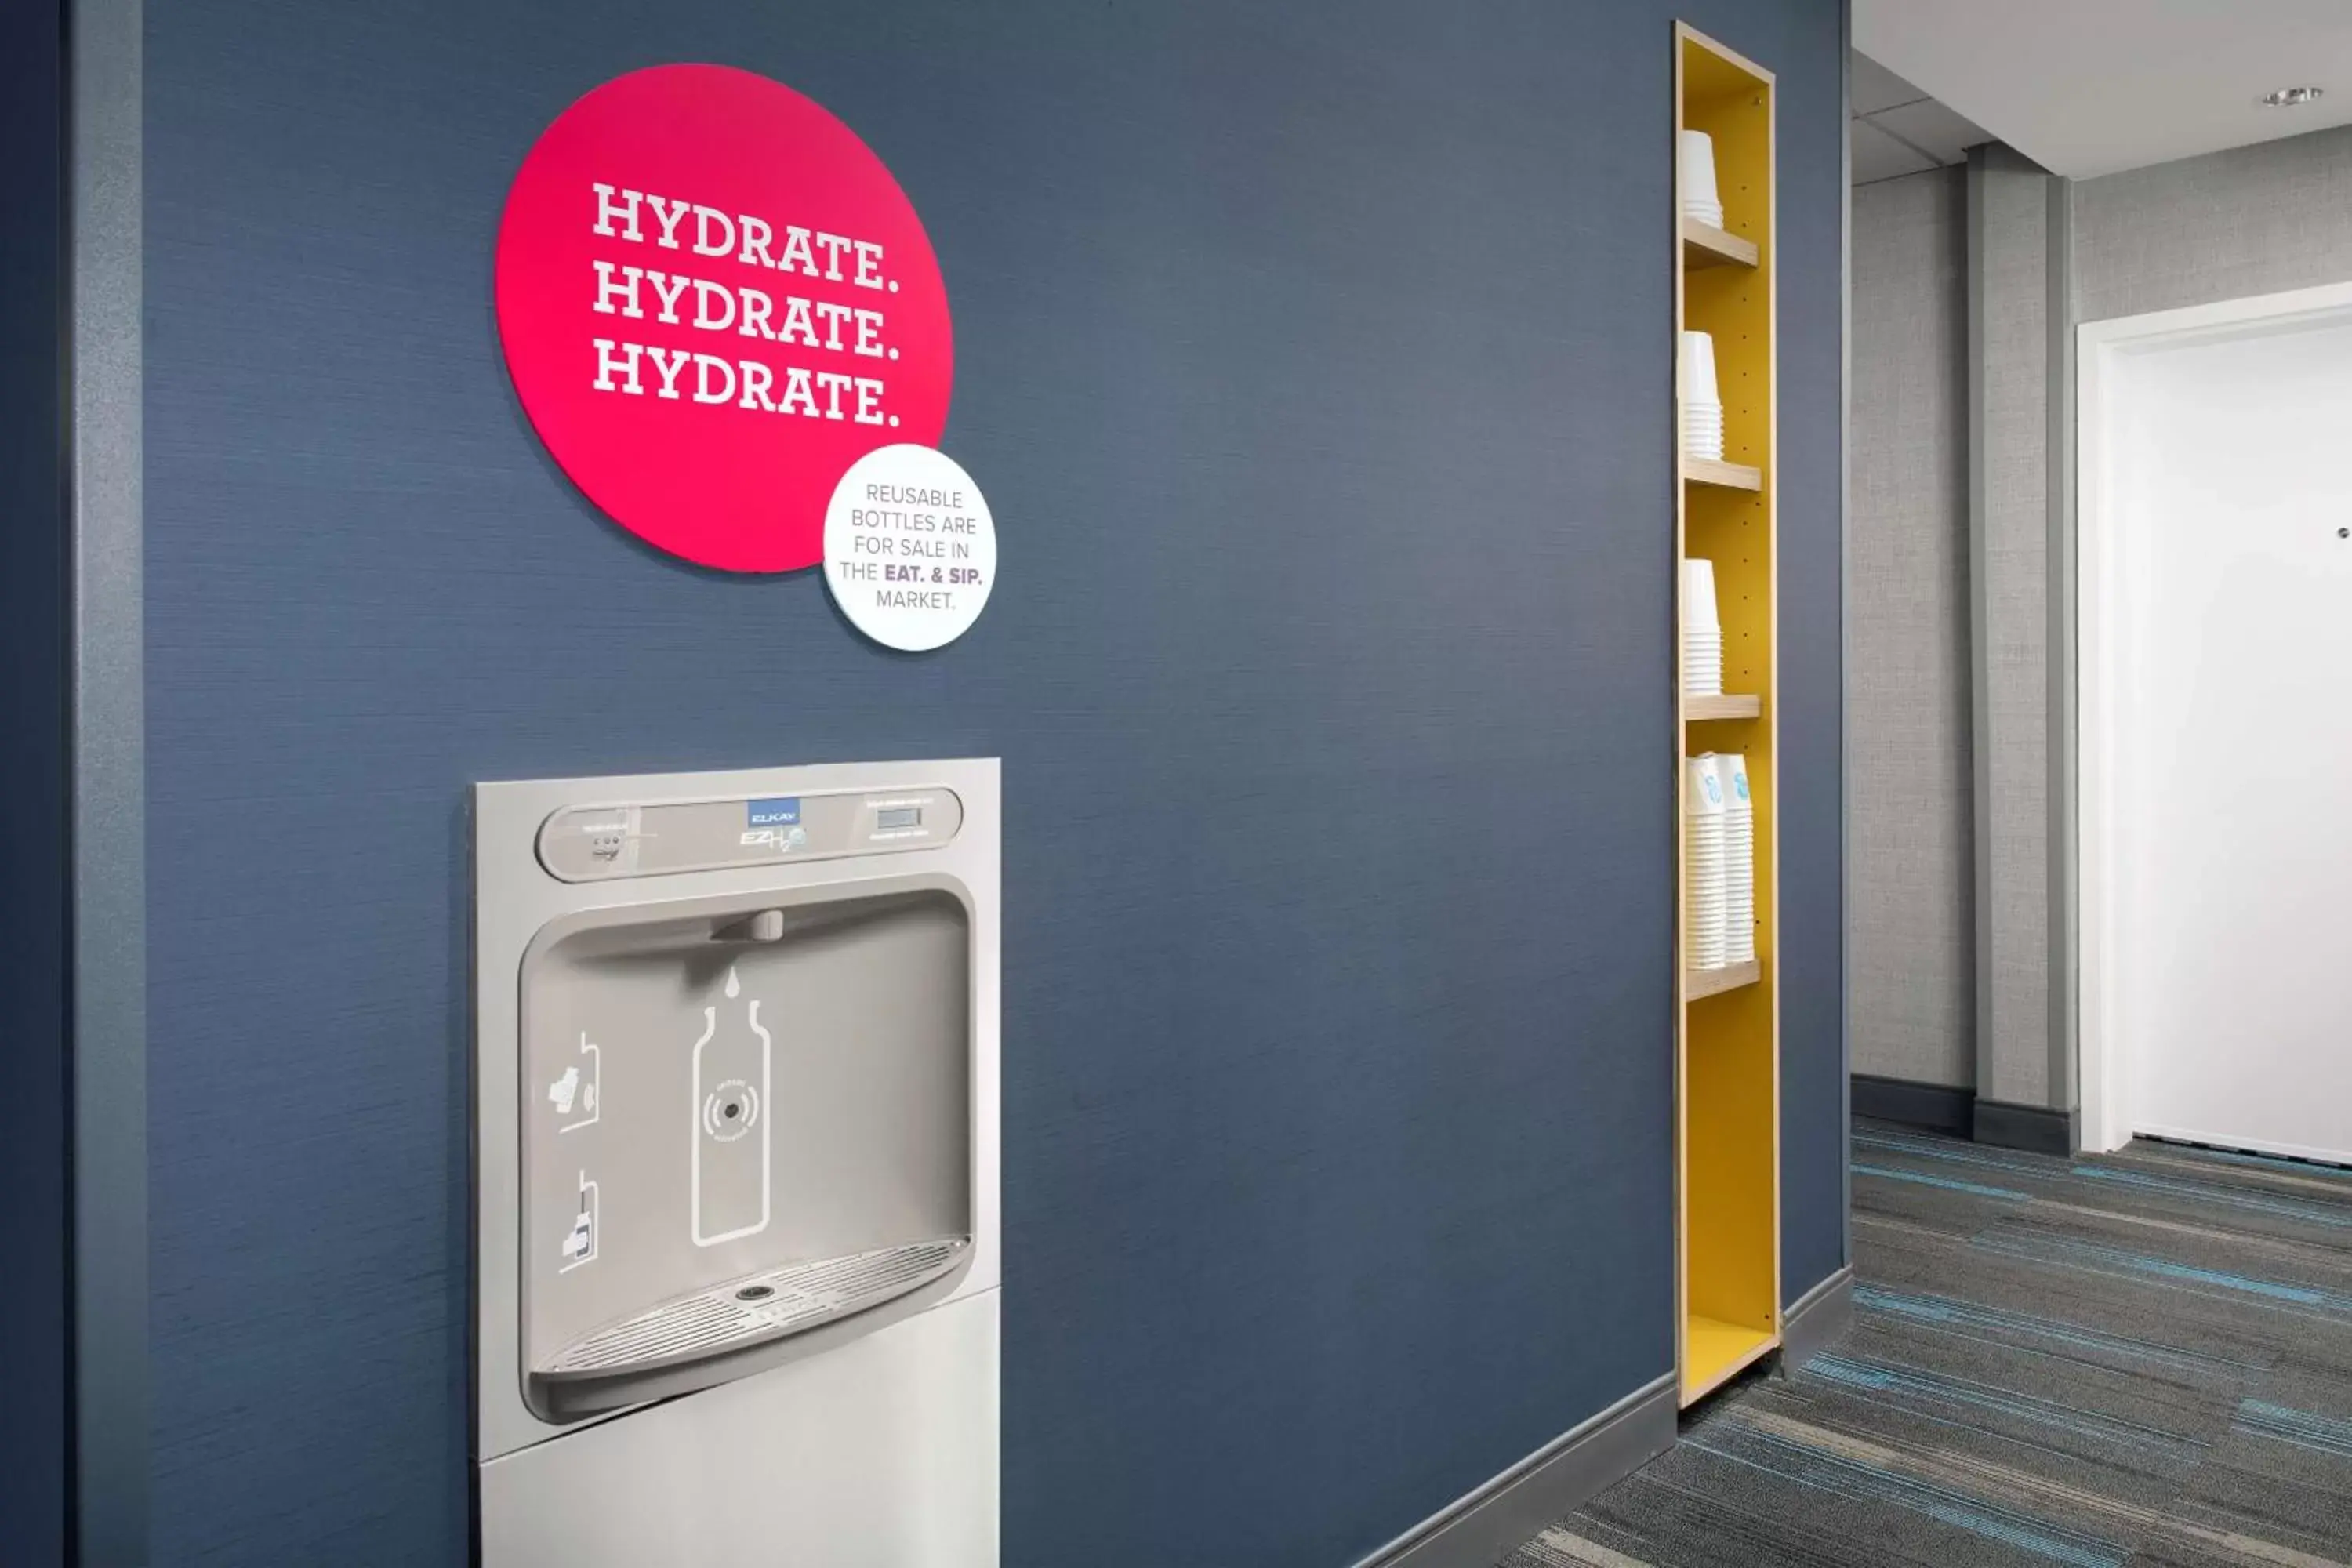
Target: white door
pixel 2227 459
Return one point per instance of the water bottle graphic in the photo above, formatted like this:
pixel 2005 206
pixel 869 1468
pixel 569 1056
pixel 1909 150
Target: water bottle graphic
pixel 730 1123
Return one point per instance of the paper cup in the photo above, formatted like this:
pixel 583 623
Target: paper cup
pixel 1698 370
pixel 1739 858
pixel 1698 598
pixel 1698 170
pixel 1702 791
pixel 1702 671
pixel 1733 765
pixel 1702 432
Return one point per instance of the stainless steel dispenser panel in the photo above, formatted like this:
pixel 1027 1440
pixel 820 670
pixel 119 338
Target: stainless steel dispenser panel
pixel 736 1167
pixel 740 1123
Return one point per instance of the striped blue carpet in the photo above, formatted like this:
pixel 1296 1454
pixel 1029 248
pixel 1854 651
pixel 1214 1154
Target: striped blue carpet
pixel 2141 1359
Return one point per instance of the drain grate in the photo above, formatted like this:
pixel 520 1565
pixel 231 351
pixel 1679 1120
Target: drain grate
pixel 755 1307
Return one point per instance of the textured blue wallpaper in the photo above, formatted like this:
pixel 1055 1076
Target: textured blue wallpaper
pixel 33 790
pixel 1315 359
pixel 1810 275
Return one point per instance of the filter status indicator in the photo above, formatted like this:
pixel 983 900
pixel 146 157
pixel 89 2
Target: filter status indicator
pixel 653 838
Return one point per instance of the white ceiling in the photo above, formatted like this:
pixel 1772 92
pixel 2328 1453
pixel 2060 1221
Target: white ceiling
pixel 2089 87
pixel 1898 130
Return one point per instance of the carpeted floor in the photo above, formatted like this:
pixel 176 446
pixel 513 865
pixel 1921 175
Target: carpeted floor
pixel 2141 1359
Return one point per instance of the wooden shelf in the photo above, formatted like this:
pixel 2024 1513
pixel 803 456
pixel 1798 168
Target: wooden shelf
pixel 1727 476
pixel 1704 244
pixel 1731 705
pixel 1698 983
pixel 1719 1352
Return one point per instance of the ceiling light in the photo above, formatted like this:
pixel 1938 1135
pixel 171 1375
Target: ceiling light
pixel 2292 97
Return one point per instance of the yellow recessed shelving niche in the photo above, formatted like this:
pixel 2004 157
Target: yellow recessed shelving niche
pixel 1726 1046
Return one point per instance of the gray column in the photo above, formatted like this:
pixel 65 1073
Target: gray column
pixel 2021 624
pixel 110 825
pixel 1910 977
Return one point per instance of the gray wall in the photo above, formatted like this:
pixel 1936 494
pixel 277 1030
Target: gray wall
pixel 2255 220
pixel 1908 792
pixel 33 789
pixel 1316 362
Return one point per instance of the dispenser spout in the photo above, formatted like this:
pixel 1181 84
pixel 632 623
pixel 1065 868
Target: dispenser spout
pixel 768 925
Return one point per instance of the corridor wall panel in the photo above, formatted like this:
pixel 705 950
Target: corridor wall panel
pixel 1316 362
pixel 34 791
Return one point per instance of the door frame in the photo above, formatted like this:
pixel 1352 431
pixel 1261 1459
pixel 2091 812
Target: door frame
pixel 2106 1059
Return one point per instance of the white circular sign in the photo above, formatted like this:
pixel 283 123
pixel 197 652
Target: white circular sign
pixel 909 548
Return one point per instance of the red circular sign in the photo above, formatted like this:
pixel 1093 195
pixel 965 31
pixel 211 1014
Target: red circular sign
pixel 714 299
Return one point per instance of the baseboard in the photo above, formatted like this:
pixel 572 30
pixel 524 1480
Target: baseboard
pixel 1966 1114
pixel 1482 1527
pixel 1818 1318
pixel 1935 1106
pixel 2033 1128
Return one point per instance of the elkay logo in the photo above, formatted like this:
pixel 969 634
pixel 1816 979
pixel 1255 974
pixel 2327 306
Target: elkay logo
pixel 774 813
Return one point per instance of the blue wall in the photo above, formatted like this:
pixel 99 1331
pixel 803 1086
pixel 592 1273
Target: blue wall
pixel 1810 275
pixel 33 789
pixel 1315 359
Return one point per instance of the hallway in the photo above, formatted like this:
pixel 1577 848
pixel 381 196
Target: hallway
pixel 2138 1359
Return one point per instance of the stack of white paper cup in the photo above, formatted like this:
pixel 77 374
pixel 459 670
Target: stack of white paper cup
pixel 1702 865
pixel 1702 406
pixel 1702 631
pixel 1739 860
pixel 1700 200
